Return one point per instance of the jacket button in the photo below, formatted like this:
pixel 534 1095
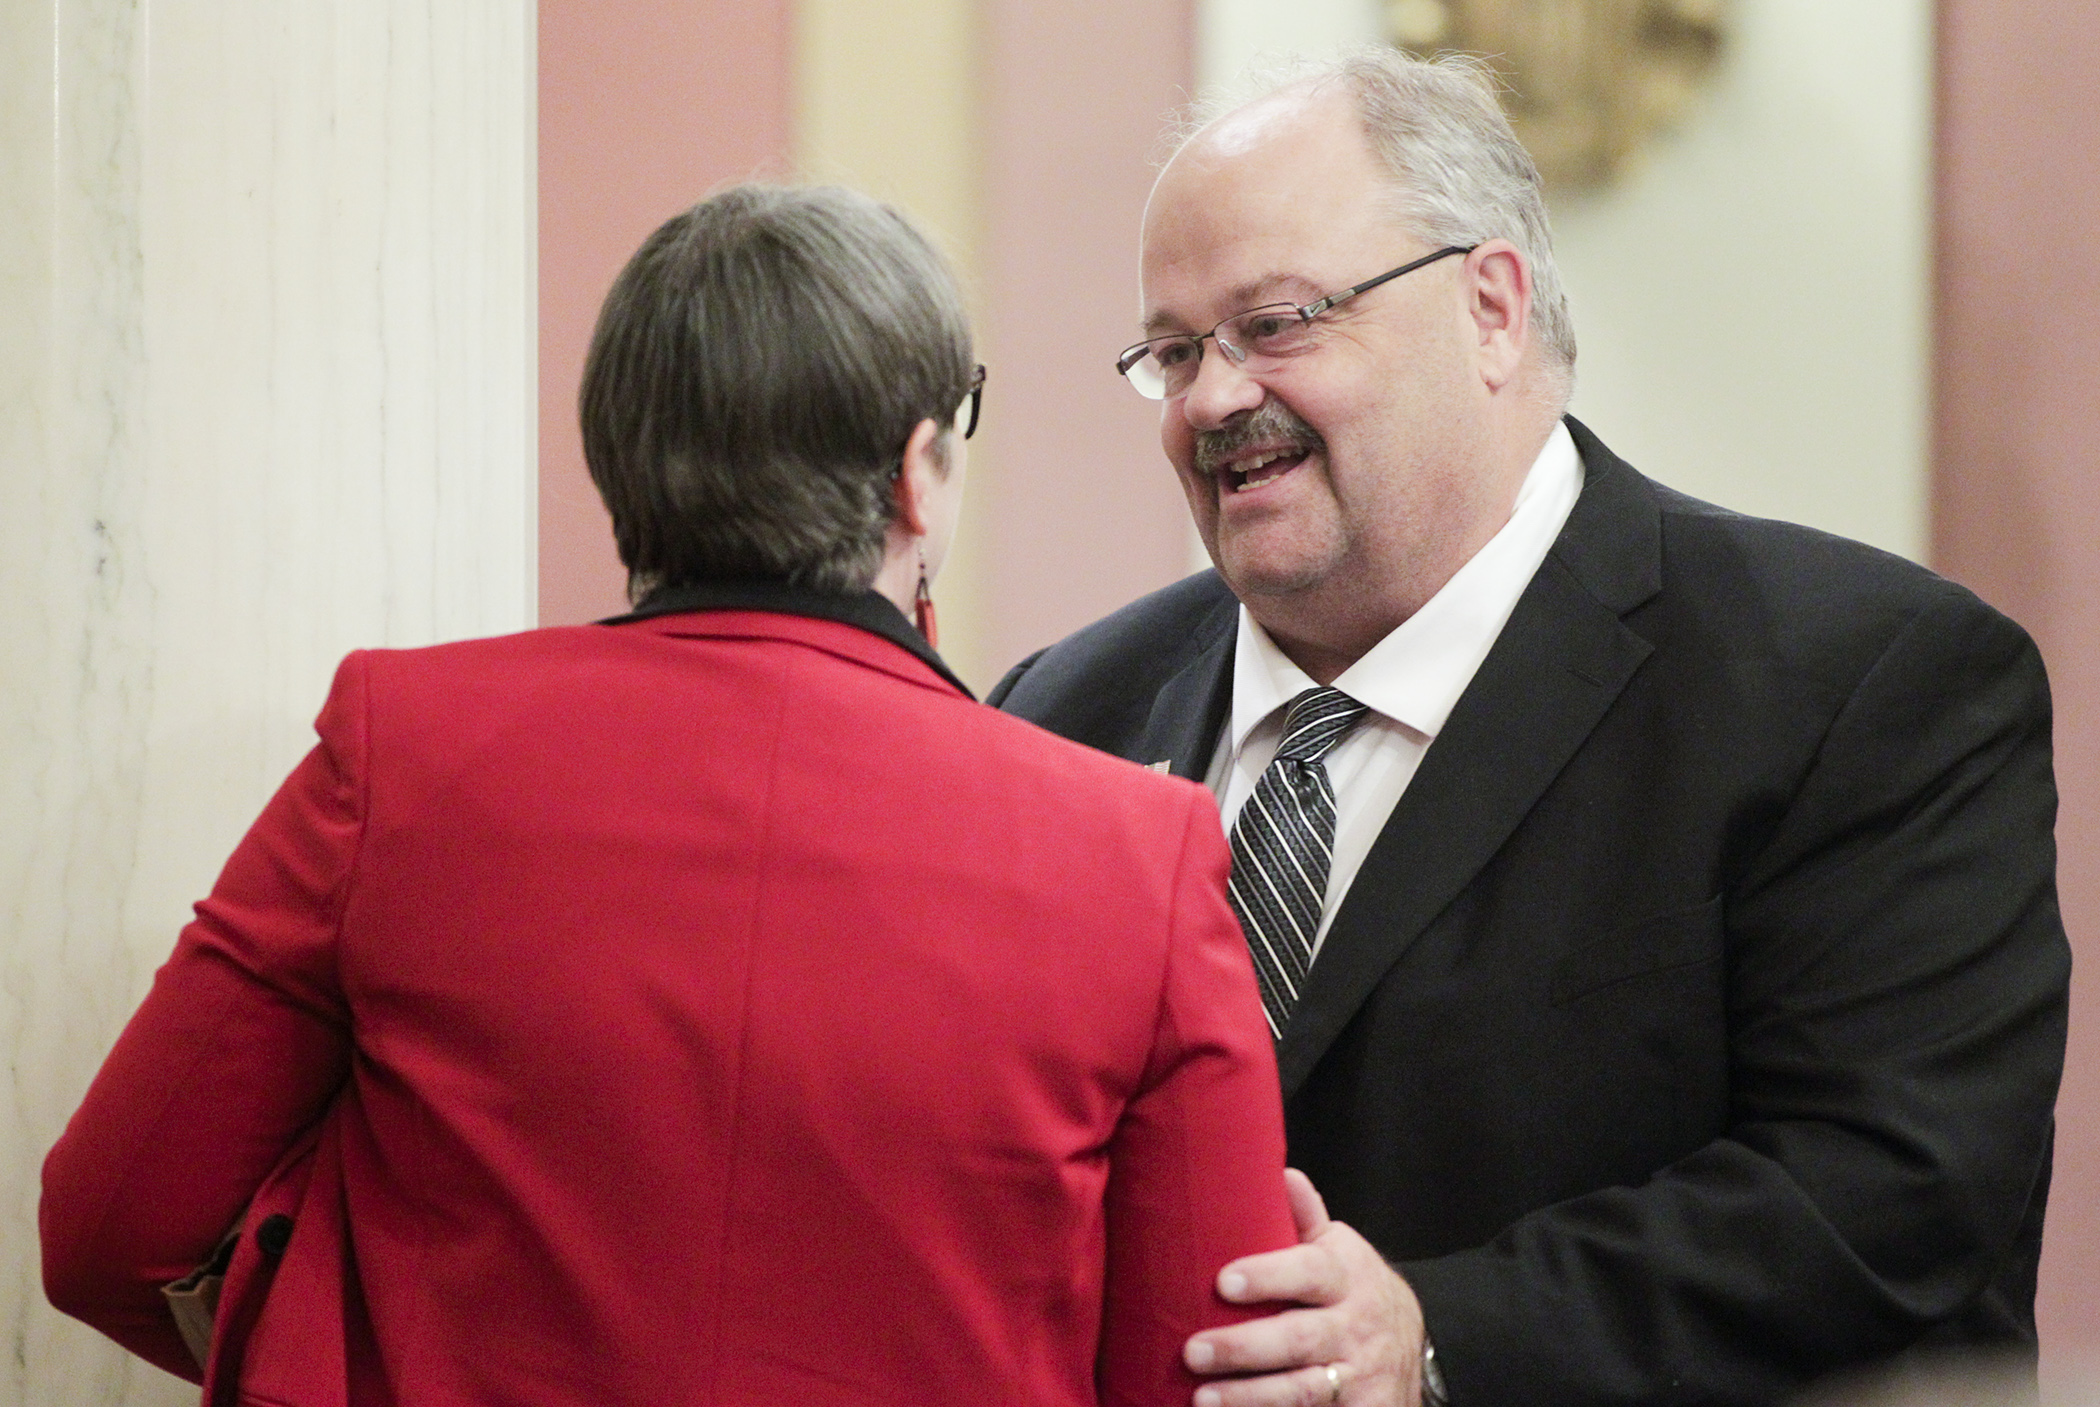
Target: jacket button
pixel 273 1235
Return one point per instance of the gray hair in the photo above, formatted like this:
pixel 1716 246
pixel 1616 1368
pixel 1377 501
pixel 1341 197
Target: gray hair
pixel 1459 174
pixel 756 371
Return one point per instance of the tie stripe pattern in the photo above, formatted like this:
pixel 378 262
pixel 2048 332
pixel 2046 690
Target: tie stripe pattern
pixel 1283 846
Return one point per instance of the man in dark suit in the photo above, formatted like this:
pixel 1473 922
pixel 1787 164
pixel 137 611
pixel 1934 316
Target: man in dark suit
pixel 1656 906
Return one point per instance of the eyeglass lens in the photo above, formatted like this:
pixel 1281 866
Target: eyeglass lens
pixel 1168 366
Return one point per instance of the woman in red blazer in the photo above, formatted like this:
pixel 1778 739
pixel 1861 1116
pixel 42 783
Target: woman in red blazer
pixel 714 1005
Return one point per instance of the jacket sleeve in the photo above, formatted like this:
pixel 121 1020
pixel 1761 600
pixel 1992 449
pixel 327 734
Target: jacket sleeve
pixel 238 1048
pixel 1005 686
pixel 1196 1164
pixel 1897 998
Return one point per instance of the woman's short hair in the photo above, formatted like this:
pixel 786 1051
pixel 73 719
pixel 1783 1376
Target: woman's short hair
pixel 756 371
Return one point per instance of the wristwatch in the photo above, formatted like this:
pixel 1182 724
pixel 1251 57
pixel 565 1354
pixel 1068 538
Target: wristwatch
pixel 1433 1392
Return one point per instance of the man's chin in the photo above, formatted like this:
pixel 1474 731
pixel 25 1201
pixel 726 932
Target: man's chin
pixel 1266 578
pixel 1273 558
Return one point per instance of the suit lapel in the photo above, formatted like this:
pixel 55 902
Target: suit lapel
pixel 1559 663
pixel 1190 707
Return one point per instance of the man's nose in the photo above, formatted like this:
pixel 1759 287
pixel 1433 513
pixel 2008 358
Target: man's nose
pixel 1221 390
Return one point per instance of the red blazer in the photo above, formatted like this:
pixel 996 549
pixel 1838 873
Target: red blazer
pixel 716 1008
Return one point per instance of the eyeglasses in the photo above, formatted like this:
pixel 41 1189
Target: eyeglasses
pixel 976 401
pixel 976 395
pixel 1160 368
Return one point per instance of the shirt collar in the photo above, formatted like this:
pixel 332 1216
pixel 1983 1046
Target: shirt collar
pixel 1415 675
pixel 869 610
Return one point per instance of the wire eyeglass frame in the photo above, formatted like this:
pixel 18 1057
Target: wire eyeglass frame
pixel 1153 378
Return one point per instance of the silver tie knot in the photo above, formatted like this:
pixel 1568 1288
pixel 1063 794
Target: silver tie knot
pixel 1315 721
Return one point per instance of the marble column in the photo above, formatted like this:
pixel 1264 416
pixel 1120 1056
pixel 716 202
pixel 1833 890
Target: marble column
pixel 266 395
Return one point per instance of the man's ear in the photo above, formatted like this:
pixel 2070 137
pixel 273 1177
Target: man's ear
pixel 921 470
pixel 1501 305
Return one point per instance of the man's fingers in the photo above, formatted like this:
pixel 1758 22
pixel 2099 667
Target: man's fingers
pixel 1292 1339
pixel 1308 1208
pixel 1306 1387
pixel 1355 1313
pixel 1298 1274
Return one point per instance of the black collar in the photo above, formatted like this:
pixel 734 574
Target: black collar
pixel 869 610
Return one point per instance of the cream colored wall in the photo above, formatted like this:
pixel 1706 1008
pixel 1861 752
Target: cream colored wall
pixel 1752 299
pixel 1234 35
pixel 886 100
pixel 265 396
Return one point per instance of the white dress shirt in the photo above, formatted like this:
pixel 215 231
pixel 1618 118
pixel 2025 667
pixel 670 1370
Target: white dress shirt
pixel 1410 680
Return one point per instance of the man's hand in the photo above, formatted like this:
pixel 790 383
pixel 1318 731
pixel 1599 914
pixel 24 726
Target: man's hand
pixel 1359 1318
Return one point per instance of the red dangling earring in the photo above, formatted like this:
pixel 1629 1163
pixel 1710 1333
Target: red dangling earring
pixel 922 610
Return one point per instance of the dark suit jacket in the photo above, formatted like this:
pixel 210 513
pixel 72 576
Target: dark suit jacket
pixel 714 1008
pixel 1694 1025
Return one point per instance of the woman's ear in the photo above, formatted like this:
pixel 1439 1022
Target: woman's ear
pixel 923 468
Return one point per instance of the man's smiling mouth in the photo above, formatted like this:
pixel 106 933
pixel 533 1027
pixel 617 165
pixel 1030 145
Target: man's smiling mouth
pixel 1256 449
pixel 1264 467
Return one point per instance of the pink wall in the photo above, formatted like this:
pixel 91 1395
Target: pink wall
pixel 1080 503
pixel 643 106
pixel 2016 505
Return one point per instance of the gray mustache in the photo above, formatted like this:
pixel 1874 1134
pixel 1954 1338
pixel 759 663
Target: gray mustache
pixel 1267 424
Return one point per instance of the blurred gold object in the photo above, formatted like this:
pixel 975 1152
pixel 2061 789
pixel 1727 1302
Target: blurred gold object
pixel 1418 24
pixel 1590 80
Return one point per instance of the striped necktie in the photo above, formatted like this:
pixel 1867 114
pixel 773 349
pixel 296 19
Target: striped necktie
pixel 1283 844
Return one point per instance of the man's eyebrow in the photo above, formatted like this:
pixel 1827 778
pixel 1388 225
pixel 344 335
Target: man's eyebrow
pixel 1277 287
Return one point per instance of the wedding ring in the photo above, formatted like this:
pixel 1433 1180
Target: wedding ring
pixel 1334 1386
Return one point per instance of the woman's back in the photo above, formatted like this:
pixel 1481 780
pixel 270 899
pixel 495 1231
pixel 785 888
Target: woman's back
pixel 732 1012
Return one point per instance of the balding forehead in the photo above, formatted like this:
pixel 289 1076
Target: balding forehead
pixel 1245 129
pixel 1257 149
pixel 1255 210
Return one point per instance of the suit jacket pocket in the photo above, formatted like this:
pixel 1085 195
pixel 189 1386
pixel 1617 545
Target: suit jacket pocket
pixel 1675 939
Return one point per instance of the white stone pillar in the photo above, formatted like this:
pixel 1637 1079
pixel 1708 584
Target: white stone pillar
pixel 266 395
